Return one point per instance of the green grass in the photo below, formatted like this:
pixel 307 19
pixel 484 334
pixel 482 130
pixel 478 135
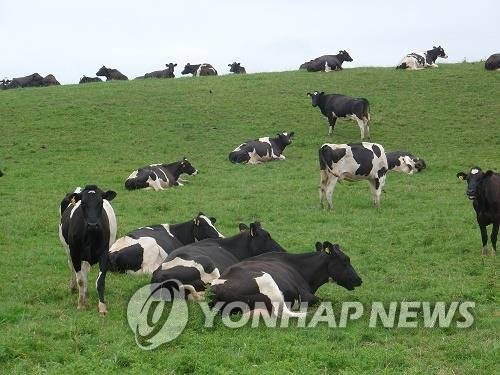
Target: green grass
pixel 422 244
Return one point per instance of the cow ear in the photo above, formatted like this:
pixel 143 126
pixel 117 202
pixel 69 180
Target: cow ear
pixel 322 93
pixel 242 227
pixel 213 219
pixel 309 94
pixel 229 64
pixel 175 64
pixel 196 221
pixel 253 229
pixel 75 197
pixel 461 176
pixel 109 195
pixel 328 247
pixel 291 134
pixel 319 246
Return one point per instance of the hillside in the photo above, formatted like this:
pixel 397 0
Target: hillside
pixel 422 244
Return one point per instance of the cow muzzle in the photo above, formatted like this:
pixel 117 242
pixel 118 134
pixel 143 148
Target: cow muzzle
pixel 195 172
pixel 93 226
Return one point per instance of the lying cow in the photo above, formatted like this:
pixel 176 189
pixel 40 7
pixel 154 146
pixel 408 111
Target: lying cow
pixel 159 176
pixel 327 63
pixel 278 280
pixel 354 161
pixel 111 74
pixel 86 231
pixel 50 80
pixel 333 106
pixel 483 188
pixel 33 80
pixel 143 250
pixel 198 264
pixel 166 73
pixel 493 62
pixel 86 79
pixel 199 70
pixel 236 68
pixel 421 60
pixel 262 149
pixel 404 162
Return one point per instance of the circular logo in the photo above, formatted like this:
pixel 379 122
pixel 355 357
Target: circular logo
pixel 157 313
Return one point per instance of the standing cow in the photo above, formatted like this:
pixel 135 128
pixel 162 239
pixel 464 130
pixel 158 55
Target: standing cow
pixel 483 188
pixel 352 162
pixel 493 62
pixel 333 106
pixel 421 60
pixel 199 70
pixel 262 149
pixel 327 63
pixel 86 231
pixel 236 68
pixel 111 74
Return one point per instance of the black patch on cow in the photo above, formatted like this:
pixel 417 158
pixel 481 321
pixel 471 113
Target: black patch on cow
pixel 377 183
pixel 381 172
pixel 327 156
pixel 129 258
pixel 376 150
pixel 364 157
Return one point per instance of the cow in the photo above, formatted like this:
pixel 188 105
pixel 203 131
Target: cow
pixel 87 230
pixel 86 79
pixel 50 80
pixel 111 74
pixel 333 106
pixel 236 68
pixel 143 250
pixel 262 149
pixel 352 162
pixel 404 162
pixel 33 80
pixel 493 62
pixel 160 176
pixel 166 73
pixel 196 265
pixel 483 188
pixel 4 83
pixel 421 60
pixel 199 70
pixel 279 280
pixel 327 63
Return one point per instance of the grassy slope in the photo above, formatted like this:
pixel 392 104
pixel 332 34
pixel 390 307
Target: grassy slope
pixel 422 244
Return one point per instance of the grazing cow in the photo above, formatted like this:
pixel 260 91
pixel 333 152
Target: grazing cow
pixel 33 80
pixel 160 176
pixel 404 162
pixel 166 73
pixel 483 188
pixel 50 80
pixel 111 74
pixel 262 149
pixel 327 63
pixel 493 62
pixel 236 68
pixel 421 60
pixel 144 249
pixel 354 161
pixel 278 280
pixel 196 265
pixel 199 70
pixel 87 230
pixel 86 79
pixel 333 106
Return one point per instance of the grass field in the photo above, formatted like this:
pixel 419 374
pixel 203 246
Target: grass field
pixel 422 244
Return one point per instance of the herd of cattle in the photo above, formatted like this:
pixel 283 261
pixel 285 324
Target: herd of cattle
pixel 249 266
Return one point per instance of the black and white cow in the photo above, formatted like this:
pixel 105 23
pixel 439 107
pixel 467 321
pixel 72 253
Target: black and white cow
pixel 327 63
pixel 236 68
pixel 279 280
pixel 143 250
pixel 50 80
pixel 198 264
pixel 86 79
pixel 4 83
pixel 483 188
pixel 198 70
pixel 166 73
pixel 111 74
pixel 160 176
pixel 352 162
pixel 421 60
pixel 404 162
pixel 86 231
pixel 333 106
pixel 33 80
pixel 262 149
pixel 493 62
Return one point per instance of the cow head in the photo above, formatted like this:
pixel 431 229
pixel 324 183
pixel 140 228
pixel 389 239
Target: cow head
pixel 259 240
pixel 344 55
pixel 339 266
pixel 235 67
pixel 419 164
pixel 315 97
pixel 91 202
pixel 285 138
pixel 204 227
pixel 188 69
pixel 474 180
pixel 440 52
pixel 186 167
pixel 171 67
pixel 102 72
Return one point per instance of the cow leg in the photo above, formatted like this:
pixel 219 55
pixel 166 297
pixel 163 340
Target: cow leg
pixel 367 128
pixel 82 271
pixel 331 121
pixel 361 125
pixel 494 235
pixel 484 238
pixel 100 282
pixel 326 189
pixel 72 277
pixel 376 186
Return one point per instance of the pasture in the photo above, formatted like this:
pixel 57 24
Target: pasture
pixel 422 244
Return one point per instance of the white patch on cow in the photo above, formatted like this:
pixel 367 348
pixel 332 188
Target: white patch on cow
pixel 204 276
pixel 111 220
pixel 167 228
pixel 209 222
pixel 239 147
pixel 133 175
pixel 198 71
pixel 91 191
pixel 474 171
pixel 152 257
pixel 265 140
pixel 75 207
pixel 218 282
pixel 122 243
pixel 327 67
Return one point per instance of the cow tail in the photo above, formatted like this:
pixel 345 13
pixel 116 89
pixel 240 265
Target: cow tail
pixel 366 110
pixel 323 163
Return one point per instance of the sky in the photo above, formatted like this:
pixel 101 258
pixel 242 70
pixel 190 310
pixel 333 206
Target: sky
pixel 72 38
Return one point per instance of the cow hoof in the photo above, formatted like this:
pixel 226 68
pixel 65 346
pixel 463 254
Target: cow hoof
pixel 72 287
pixel 102 309
pixel 81 307
pixel 485 251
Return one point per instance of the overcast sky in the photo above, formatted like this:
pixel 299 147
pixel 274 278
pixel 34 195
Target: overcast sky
pixel 70 38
